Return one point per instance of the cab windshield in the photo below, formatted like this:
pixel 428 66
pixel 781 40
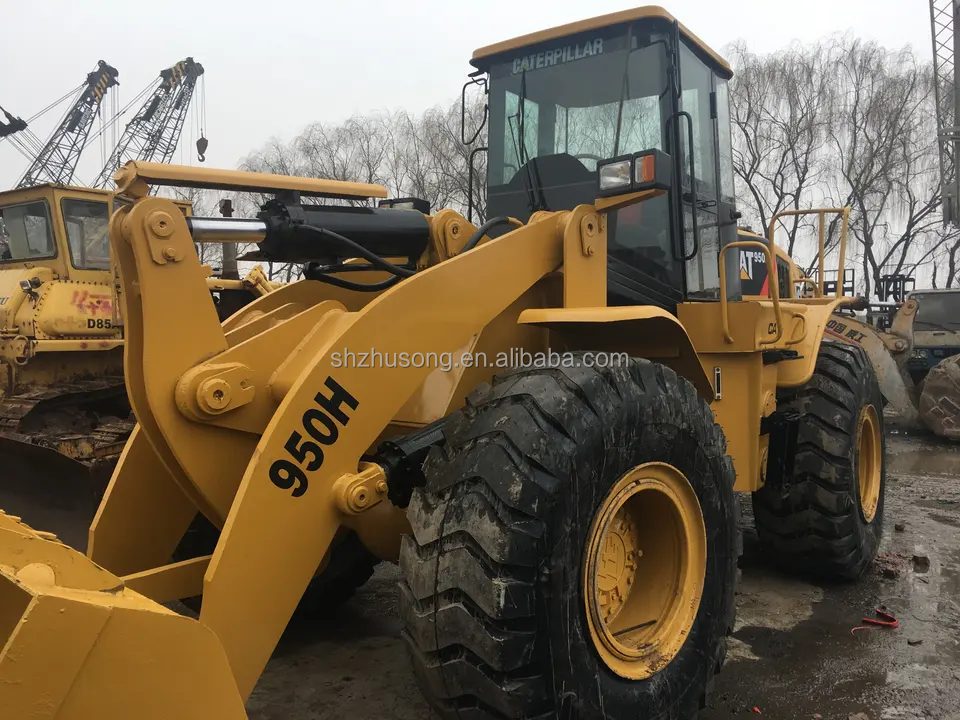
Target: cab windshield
pixel 937 311
pixel 567 106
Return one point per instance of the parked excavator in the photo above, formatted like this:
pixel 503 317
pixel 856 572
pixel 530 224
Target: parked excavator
pixel 567 531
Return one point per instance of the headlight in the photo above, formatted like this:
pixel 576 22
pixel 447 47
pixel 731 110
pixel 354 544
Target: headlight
pixel 919 354
pixel 646 170
pixel 615 175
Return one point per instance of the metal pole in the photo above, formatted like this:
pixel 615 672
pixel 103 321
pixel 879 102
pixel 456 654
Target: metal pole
pixel 951 189
pixel 229 269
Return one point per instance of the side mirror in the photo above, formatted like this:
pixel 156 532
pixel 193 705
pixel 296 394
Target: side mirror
pixel 481 82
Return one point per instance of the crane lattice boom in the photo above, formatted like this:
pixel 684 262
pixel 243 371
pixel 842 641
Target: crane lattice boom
pixel 57 161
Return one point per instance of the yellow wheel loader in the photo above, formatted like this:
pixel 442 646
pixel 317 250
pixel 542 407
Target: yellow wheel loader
pixel 544 419
pixel 63 404
pixel 916 353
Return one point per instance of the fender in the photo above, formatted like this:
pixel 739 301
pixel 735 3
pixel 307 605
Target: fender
pixel 642 331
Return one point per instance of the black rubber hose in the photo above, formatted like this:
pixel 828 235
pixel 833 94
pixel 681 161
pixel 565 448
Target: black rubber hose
pixel 359 287
pixel 485 228
pixel 347 268
pixel 361 251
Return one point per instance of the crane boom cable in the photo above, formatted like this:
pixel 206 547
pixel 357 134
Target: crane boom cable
pixel 123 111
pixel 152 135
pixel 52 105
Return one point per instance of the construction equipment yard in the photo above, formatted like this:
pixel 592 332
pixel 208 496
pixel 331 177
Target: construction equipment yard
pixel 792 655
pixel 552 453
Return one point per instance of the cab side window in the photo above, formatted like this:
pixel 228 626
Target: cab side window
pixel 87 223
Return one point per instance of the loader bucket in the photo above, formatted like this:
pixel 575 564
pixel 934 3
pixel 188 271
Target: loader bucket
pixel 78 645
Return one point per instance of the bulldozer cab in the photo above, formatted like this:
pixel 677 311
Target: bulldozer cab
pixel 570 105
pixel 56 226
pixel 60 227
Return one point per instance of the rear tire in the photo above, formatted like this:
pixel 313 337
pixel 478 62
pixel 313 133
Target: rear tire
pixel 816 520
pixel 493 590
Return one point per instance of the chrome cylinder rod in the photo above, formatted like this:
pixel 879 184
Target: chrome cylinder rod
pixel 226 230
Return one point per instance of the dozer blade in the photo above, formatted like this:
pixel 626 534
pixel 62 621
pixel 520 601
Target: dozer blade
pixel 78 645
pixel 50 490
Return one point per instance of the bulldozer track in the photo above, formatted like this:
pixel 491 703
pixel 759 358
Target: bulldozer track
pixel 70 418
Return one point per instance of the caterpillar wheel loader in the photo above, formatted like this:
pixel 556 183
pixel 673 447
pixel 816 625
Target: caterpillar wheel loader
pixel 63 403
pixel 566 527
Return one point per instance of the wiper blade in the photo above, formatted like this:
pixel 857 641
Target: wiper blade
pixel 534 186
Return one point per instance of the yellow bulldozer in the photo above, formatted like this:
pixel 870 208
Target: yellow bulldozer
pixel 63 403
pixel 566 525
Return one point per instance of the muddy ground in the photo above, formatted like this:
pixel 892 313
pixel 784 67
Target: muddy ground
pixel 792 656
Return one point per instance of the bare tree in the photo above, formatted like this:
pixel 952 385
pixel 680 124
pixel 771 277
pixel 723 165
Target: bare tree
pixel 780 128
pixel 842 122
pixel 884 165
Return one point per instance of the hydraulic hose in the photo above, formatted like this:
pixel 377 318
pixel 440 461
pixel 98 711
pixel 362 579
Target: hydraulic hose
pixel 487 227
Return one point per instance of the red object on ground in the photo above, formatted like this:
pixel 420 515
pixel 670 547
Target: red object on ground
pixel 886 620
pixel 757 710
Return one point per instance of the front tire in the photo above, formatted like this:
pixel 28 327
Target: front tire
pixel 825 517
pixel 497 571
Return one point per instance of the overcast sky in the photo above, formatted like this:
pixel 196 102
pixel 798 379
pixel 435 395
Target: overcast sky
pixel 272 68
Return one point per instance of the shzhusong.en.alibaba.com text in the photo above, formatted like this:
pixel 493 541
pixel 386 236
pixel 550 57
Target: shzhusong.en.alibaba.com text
pixel 448 361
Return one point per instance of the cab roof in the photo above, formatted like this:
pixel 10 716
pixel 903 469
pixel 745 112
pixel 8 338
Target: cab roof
pixel 483 57
pixel 25 192
pixel 52 186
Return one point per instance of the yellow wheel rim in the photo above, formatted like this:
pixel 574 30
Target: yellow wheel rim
pixel 643 570
pixel 869 462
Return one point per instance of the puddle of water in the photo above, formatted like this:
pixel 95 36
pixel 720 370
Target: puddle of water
pixel 923 457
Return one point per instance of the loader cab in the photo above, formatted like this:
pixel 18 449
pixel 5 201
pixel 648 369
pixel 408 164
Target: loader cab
pixel 566 102
pixel 936 330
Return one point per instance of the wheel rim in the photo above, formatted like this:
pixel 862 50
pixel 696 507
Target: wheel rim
pixel 869 462
pixel 643 570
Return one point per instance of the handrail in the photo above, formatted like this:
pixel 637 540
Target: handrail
pixel 803 329
pixel 822 212
pixel 812 283
pixel 773 288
